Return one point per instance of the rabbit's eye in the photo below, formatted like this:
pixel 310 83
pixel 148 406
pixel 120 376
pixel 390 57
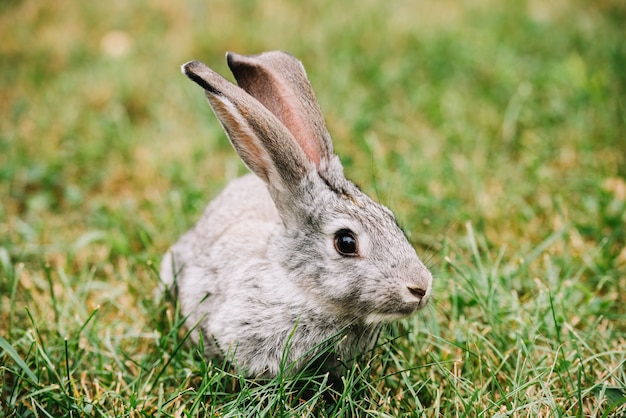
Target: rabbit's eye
pixel 345 243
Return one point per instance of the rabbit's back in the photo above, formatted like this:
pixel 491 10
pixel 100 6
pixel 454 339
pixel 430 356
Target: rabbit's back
pixel 234 229
pixel 245 200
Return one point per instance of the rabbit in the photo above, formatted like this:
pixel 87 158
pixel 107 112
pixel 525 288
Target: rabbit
pixel 294 255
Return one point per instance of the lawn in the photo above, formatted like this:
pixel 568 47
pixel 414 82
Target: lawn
pixel 494 130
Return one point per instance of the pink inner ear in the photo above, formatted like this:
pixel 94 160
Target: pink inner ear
pixel 279 83
pixel 290 112
pixel 279 99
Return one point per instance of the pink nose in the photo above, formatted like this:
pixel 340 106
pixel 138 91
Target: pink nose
pixel 418 292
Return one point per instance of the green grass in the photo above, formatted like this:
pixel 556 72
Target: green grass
pixel 494 130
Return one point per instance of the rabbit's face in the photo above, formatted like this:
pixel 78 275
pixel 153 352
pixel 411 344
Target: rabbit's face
pixel 353 258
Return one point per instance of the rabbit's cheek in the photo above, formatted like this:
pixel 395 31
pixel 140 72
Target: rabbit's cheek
pixel 346 299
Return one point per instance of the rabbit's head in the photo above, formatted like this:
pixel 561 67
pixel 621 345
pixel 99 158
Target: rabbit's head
pixel 346 252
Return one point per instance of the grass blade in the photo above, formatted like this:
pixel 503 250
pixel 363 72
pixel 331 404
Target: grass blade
pixel 8 348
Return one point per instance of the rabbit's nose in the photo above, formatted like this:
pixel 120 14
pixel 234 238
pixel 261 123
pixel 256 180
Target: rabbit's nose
pixel 417 291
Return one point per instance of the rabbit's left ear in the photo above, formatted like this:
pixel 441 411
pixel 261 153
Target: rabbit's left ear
pixel 278 80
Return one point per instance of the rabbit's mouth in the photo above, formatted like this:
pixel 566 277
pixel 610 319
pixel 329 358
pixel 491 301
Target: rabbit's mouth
pixel 383 317
pixel 398 312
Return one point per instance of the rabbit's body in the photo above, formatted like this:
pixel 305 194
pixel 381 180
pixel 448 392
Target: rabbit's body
pixel 240 292
pixel 297 255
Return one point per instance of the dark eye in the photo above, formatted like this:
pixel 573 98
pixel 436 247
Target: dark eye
pixel 345 243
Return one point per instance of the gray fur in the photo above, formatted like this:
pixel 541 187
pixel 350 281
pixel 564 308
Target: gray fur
pixel 260 269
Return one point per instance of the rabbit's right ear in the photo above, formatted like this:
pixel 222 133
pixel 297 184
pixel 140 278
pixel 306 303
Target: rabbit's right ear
pixel 278 80
pixel 264 144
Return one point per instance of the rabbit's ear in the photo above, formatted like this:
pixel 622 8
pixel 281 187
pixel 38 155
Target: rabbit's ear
pixel 264 144
pixel 278 80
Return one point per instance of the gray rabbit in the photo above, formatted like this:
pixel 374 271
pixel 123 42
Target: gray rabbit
pixel 295 254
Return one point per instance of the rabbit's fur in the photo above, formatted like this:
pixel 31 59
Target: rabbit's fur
pixel 261 275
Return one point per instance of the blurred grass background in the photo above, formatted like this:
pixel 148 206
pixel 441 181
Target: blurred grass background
pixel 494 130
